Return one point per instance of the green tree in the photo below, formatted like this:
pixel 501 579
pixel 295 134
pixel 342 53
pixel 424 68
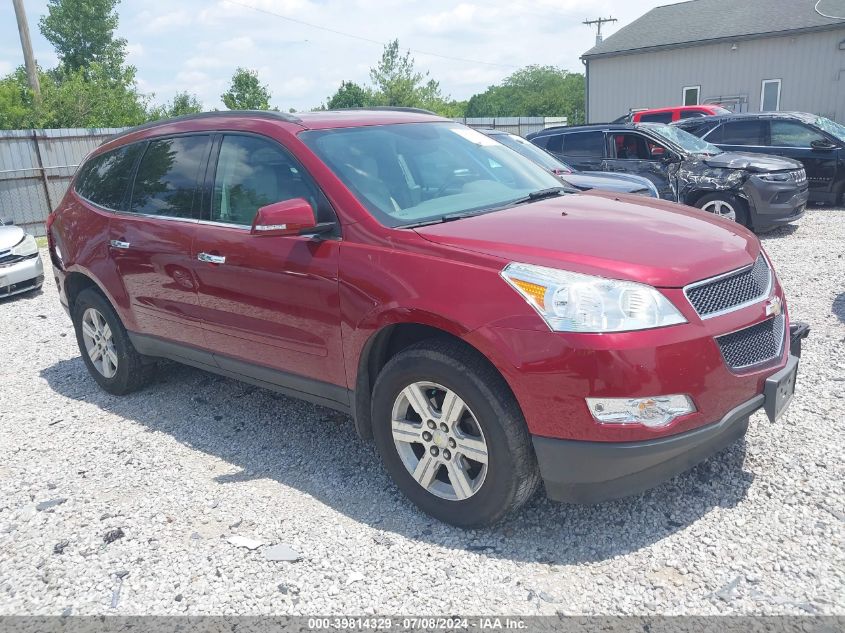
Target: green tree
pixel 246 92
pixel 182 103
pixel 533 91
pixel 82 32
pixel 349 95
pixel 397 82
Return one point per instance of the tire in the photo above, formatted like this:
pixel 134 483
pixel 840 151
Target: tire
pixel 490 417
pixel 119 368
pixel 721 200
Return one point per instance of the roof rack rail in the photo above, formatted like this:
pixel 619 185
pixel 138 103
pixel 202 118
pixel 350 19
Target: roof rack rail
pixel 395 109
pixel 269 114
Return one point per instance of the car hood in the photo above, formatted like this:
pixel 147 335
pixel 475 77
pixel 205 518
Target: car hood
pixel 618 236
pixel 10 236
pixel 756 163
pixel 606 181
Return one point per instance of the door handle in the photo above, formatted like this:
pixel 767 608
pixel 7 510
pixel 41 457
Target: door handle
pixel 118 244
pixel 211 259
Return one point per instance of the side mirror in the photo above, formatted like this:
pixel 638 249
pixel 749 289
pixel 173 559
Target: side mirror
pixel 288 217
pixel 822 145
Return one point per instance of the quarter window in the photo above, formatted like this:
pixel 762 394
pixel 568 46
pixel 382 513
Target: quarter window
pixel 253 172
pixel 166 181
pixel 793 134
pixel 104 178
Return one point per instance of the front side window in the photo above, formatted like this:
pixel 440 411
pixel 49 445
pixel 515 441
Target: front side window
pixel 683 139
pixel 631 147
pixel 253 172
pixel 167 177
pixel 421 172
pixel 831 127
pixel 793 134
pixel 104 178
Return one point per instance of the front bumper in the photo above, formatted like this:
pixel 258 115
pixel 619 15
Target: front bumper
pixel 772 204
pixel 590 472
pixel 21 276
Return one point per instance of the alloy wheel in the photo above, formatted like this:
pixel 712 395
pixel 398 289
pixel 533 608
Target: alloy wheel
pixel 439 441
pixel 721 208
pixel 99 343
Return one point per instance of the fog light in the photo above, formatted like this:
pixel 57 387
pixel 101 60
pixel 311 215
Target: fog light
pixel 652 412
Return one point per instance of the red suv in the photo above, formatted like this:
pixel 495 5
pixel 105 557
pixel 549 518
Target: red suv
pixel 485 327
pixel 676 113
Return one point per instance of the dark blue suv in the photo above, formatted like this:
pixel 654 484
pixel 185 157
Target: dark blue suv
pixel 818 143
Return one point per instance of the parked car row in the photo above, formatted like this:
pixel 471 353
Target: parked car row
pixel 489 329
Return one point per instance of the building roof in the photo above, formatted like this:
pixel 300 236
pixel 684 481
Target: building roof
pixel 701 21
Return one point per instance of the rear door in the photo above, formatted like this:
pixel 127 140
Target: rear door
pixel 583 150
pixel 793 139
pixel 150 240
pixel 635 153
pixel 270 305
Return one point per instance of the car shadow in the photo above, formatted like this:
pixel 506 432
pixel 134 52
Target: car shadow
pixel 778 233
pixel 23 296
pixel 838 307
pixel 267 435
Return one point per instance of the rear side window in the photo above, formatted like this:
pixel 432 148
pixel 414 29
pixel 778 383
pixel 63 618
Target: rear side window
pixel 656 117
pixel 589 144
pixel 748 132
pixel 104 178
pixel 253 172
pixel 793 134
pixel 554 143
pixel 692 114
pixel 166 180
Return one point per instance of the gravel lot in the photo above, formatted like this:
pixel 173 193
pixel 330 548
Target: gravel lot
pixel 144 492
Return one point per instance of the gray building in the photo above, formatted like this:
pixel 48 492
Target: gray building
pixel 748 55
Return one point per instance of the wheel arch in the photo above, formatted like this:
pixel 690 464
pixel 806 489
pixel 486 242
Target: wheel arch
pixel 387 342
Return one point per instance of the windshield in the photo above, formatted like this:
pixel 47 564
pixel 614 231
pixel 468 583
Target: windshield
pixel 532 152
pixel 420 172
pixel 831 127
pixel 682 139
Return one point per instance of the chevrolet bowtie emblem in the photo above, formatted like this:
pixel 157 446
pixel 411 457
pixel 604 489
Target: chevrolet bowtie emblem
pixel 774 307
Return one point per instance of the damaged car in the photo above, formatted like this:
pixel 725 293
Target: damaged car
pixel 21 268
pixel 758 191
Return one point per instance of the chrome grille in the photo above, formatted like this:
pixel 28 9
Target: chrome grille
pixel 753 345
pixel 732 290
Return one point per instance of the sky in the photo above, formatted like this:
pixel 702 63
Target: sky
pixel 196 45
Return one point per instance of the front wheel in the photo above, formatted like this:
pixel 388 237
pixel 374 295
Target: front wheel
pixel 451 434
pixel 726 206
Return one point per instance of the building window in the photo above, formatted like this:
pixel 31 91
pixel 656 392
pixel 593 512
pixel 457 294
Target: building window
pixel 691 95
pixel 770 95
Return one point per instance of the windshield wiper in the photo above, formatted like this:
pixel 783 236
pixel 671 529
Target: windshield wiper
pixel 541 194
pixel 449 217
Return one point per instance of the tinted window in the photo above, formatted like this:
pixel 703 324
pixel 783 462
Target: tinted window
pixel 657 117
pixel 104 178
pixel 793 134
pixel 692 114
pixel 166 181
pixel 748 132
pixel 253 172
pixel 554 143
pixel 584 144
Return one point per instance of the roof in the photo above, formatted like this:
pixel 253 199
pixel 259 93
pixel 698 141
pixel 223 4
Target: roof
pixel 801 116
pixel 701 21
pixel 565 129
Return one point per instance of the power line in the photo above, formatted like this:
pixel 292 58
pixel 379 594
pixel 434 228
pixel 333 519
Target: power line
pixel 364 39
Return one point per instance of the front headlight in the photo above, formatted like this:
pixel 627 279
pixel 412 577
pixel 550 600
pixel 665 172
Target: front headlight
pixel 27 246
pixel 775 177
pixel 572 302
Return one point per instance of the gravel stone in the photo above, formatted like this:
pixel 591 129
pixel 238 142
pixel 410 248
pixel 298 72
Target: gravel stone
pixel 243 541
pixel 282 552
pixel 769 510
pixel 52 503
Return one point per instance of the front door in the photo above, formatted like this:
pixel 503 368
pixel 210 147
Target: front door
pixel 270 305
pixel 793 139
pixel 634 153
pixel 150 243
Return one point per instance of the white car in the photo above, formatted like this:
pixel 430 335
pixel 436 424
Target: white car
pixel 21 268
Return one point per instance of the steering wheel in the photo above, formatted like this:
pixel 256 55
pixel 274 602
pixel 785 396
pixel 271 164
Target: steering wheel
pixel 456 175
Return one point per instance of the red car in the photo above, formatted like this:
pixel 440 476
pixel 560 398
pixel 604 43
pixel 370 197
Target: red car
pixel 676 113
pixel 486 328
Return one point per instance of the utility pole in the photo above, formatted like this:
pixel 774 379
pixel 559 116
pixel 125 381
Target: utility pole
pixel 26 45
pixel 598 23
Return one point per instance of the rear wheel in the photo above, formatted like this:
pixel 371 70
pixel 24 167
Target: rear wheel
pixel 108 353
pixel 726 206
pixel 451 434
